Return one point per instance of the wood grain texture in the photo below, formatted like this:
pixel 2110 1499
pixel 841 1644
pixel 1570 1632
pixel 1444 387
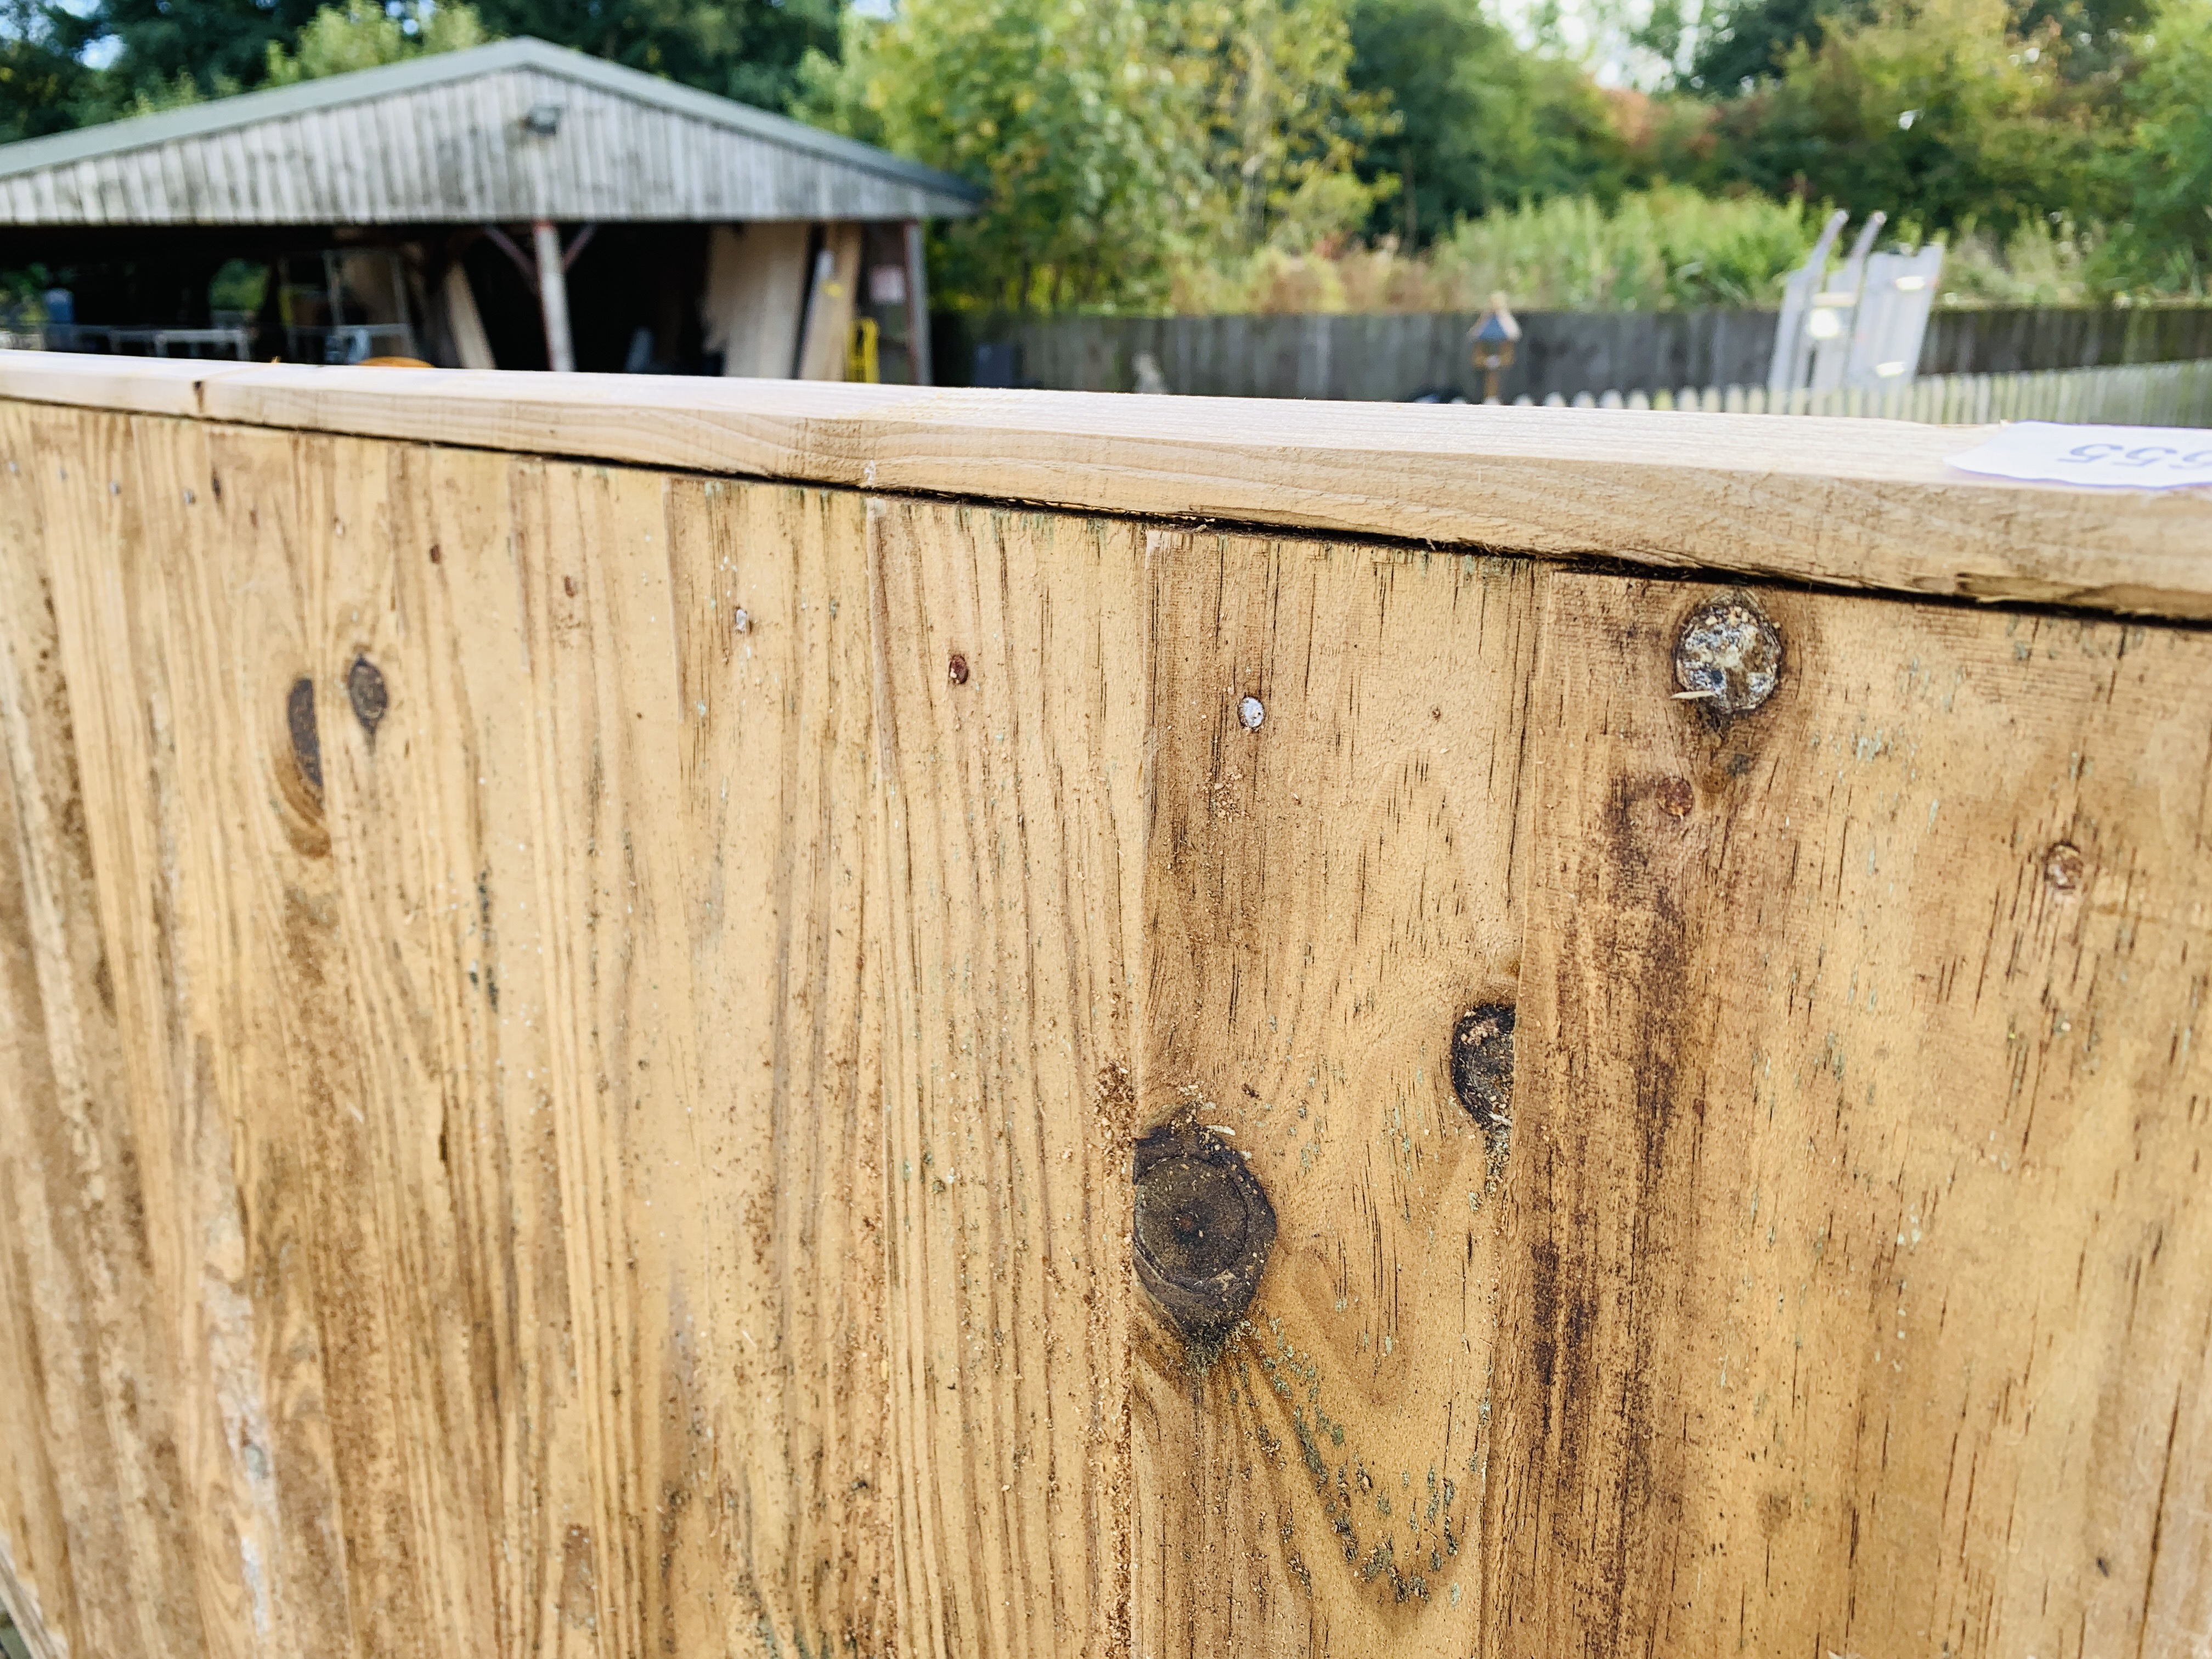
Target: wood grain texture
pixel 1011 710
pixel 1864 504
pixel 573 1038
pixel 1858 1224
pixel 1326 895
pixel 508 1239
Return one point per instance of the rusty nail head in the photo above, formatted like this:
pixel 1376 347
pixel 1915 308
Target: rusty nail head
pixel 956 670
pixel 2065 868
pixel 1482 1065
pixel 1728 657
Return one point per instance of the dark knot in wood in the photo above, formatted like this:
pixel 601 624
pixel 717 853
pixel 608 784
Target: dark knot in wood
pixel 1203 1231
pixel 365 688
pixel 1728 658
pixel 1482 1066
pixel 306 740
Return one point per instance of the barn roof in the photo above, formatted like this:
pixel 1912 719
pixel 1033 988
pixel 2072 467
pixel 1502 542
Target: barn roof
pixel 447 139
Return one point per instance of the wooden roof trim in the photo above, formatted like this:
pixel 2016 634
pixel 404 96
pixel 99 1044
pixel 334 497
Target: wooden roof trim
pixel 245 109
pixel 1851 503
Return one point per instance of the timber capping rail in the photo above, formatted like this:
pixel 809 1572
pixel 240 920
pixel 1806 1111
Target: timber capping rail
pixel 1817 500
pixel 634 1021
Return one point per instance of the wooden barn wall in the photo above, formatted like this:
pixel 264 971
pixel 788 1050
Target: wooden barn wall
pixel 572 1039
pixel 459 153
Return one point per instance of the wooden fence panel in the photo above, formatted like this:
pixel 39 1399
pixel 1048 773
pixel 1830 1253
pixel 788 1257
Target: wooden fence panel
pixel 596 1060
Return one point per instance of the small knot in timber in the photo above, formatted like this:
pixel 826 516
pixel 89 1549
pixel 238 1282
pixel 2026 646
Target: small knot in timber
pixel 1728 658
pixel 1482 1066
pixel 1203 1232
pixel 366 690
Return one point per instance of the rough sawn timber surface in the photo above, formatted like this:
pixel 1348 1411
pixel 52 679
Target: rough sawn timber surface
pixel 1853 504
pixel 1858 1245
pixel 604 1127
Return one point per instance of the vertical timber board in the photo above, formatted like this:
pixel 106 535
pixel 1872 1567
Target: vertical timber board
pixel 780 771
pixel 468 920
pixel 91 1463
pixel 600 859
pixel 141 1370
pixel 1861 1257
pixel 1011 698
pixel 1327 895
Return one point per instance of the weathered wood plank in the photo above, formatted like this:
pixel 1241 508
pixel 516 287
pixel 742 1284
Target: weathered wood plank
pixel 1847 504
pixel 616 1126
pixel 1011 710
pixel 1327 895
pixel 1860 1253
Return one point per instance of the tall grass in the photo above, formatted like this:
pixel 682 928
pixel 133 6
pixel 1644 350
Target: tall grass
pixel 1667 249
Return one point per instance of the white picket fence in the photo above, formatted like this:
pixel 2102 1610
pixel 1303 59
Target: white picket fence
pixel 2138 394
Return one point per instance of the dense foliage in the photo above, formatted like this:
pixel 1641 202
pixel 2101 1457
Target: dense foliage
pixel 1220 152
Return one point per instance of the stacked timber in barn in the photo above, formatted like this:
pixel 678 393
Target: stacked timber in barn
pixel 705 1017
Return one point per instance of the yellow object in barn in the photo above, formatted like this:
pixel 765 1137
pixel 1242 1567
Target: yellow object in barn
pixel 860 358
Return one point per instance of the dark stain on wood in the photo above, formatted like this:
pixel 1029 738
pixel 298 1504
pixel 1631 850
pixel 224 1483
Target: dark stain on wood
pixel 306 740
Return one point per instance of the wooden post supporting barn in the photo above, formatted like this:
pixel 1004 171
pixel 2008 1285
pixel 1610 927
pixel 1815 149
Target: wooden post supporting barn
pixel 698 1018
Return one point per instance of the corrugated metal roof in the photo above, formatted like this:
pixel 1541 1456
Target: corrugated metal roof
pixel 442 139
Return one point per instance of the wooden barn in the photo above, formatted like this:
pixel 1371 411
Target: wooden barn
pixel 516 205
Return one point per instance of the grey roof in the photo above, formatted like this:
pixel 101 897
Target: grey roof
pixel 441 139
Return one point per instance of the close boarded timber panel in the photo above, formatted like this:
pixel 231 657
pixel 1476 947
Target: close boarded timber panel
pixel 603 1060
pixel 1857 1235
pixel 1337 785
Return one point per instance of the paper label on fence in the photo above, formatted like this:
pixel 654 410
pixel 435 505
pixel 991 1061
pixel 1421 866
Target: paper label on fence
pixel 2114 457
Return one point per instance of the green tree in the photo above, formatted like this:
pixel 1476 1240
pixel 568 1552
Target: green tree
pixel 174 50
pixel 1738 45
pixel 1937 112
pixel 2160 171
pixel 749 50
pixel 361 35
pixel 1071 117
pixel 1117 139
pixel 45 86
pixel 1482 123
pixel 1283 129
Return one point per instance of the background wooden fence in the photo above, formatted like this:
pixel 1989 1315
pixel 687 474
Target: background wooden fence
pixel 1390 358
pixel 2152 394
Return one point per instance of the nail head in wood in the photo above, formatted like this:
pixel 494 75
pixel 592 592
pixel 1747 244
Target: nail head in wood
pixel 1728 657
pixel 2065 867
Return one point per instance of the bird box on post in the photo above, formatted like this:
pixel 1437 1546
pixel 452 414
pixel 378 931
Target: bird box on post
pixel 1491 343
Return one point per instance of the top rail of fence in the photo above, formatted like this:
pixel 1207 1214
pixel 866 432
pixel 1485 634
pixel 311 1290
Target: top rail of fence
pixel 1838 502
